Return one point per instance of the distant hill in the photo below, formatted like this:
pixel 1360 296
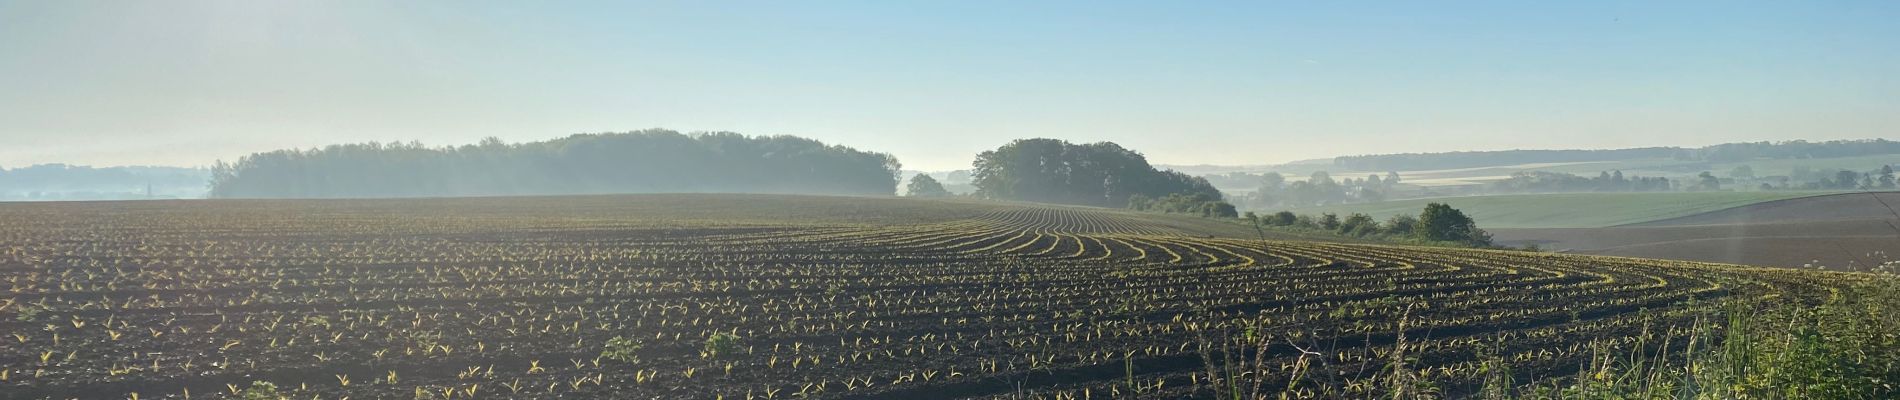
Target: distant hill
pixel 1780 166
pixel 1726 152
pixel 78 182
pixel 1210 169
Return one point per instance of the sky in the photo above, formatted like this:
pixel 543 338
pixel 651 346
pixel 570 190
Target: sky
pixel 189 83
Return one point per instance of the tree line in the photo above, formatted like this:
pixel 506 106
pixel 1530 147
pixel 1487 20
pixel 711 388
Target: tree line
pixel 1805 178
pixel 1607 181
pixel 1178 203
pixel 648 161
pixel 1794 149
pixel 1320 189
pixel 1437 223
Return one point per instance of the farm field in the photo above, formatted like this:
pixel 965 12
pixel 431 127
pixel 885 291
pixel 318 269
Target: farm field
pixel 1568 210
pixel 779 297
pixel 1852 230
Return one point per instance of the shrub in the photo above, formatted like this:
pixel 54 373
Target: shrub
pixel 1284 218
pixel 1359 225
pixel 622 349
pixel 261 390
pixel 29 313
pixel 1401 225
pixel 721 345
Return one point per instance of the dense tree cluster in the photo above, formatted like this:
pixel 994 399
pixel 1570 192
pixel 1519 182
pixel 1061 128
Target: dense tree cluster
pixel 635 162
pixel 1096 174
pixel 1556 182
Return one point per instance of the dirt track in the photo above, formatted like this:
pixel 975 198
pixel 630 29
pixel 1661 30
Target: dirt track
pixel 1837 230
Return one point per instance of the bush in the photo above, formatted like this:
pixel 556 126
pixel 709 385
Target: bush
pixel 1401 225
pixel 721 345
pixel 261 390
pixel 1359 225
pixel 622 349
pixel 1284 218
pixel 1329 221
pixel 29 313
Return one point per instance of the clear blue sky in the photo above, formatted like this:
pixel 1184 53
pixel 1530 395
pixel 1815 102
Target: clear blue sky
pixel 190 82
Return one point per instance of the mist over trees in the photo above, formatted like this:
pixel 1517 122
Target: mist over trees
pixel 922 185
pixel 1558 182
pixel 648 161
pixel 1805 178
pixel 1473 159
pixel 1319 189
pixel 78 182
pixel 1096 174
pixel 1196 204
pixel 1731 152
pixel 1726 152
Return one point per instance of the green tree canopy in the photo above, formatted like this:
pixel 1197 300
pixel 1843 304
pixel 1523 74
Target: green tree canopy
pixel 1440 222
pixel 1096 174
pixel 649 161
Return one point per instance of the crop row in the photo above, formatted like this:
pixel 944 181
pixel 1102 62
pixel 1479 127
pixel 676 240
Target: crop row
pixel 1052 302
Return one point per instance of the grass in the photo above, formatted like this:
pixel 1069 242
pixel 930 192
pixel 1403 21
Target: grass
pixel 1567 210
pixel 1752 348
pixel 1843 349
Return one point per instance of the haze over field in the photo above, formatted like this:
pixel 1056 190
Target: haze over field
pixel 1049 200
pixel 188 83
